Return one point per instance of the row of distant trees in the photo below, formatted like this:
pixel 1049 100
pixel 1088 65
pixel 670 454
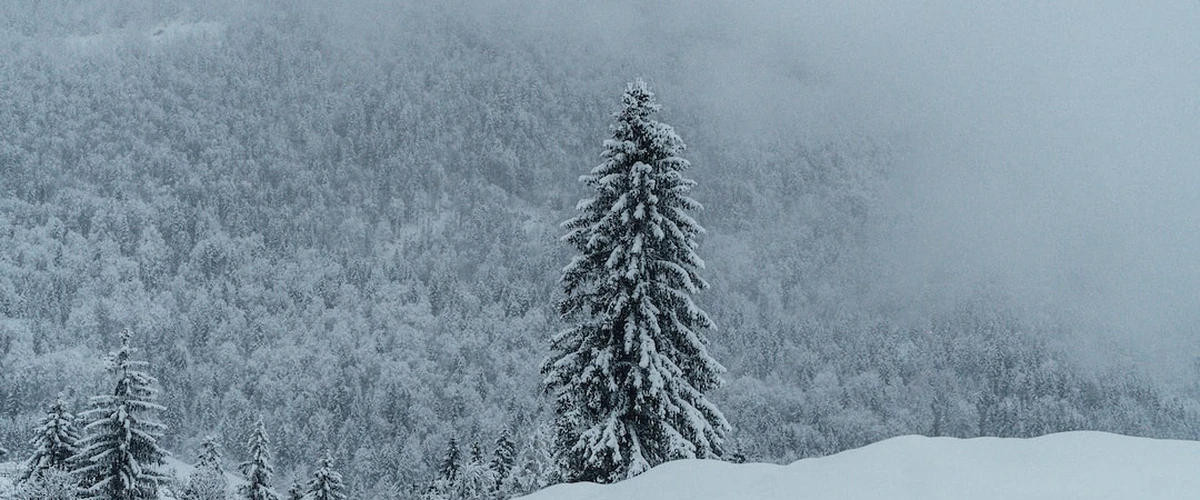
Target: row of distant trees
pixel 475 476
pixel 116 454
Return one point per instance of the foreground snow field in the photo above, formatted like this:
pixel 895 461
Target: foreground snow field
pixel 1073 465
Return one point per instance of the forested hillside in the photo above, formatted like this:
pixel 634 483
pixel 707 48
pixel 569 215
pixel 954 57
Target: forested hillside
pixel 347 223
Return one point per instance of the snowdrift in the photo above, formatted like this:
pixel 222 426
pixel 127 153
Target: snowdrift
pixel 1073 465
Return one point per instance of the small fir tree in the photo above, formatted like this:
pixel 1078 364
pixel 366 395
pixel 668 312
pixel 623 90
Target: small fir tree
pixel 629 377
pixel 503 460
pixel 14 402
pixel 210 455
pixel 445 484
pixel 208 481
pixel 536 465
pixel 257 470
pixel 450 464
pixel 119 455
pixel 326 483
pixel 55 442
pixel 476 453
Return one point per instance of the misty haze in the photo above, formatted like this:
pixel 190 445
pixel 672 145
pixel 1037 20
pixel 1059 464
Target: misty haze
pixel 483 249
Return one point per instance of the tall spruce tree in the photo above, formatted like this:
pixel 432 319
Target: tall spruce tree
pixel 629 378
pixel 119 455
pixel 258 470
pixel 55 442
pixel 326 483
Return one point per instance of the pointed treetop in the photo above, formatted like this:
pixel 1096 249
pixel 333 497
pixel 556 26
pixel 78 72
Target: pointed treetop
pixel 638 101
pixel 121 359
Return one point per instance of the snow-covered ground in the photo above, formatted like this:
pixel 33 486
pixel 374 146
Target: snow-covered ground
pixel 1073 465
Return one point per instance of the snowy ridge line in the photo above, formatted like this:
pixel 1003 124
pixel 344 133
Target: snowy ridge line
pixel 1083 465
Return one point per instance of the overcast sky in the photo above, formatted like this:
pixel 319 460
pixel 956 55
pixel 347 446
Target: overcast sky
pixel 1051 147
pixel 1048 147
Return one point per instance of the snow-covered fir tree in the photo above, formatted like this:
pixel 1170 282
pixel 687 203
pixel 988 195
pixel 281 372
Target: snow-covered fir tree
pixel 257 470
pixel 629 377
pixel 476 453
pixel 326 483
pixel 119 455
pixel 14 403
pixel 446 482
pixel 503 460
pixel 208 481
pixel 55 442
pixel 450 463
pixel 210 455
pixel 475 480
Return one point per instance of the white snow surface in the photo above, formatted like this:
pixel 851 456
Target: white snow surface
pixel 1072 465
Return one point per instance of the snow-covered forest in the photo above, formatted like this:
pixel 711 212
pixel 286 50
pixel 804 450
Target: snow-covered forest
pixel 345 222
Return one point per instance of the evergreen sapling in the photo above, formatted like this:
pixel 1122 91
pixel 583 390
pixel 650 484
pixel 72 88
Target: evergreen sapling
pixel 119 455
pixel 208 481
pixel 326 483
pixel 503 460
pixel 55 442
pixel 258 470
